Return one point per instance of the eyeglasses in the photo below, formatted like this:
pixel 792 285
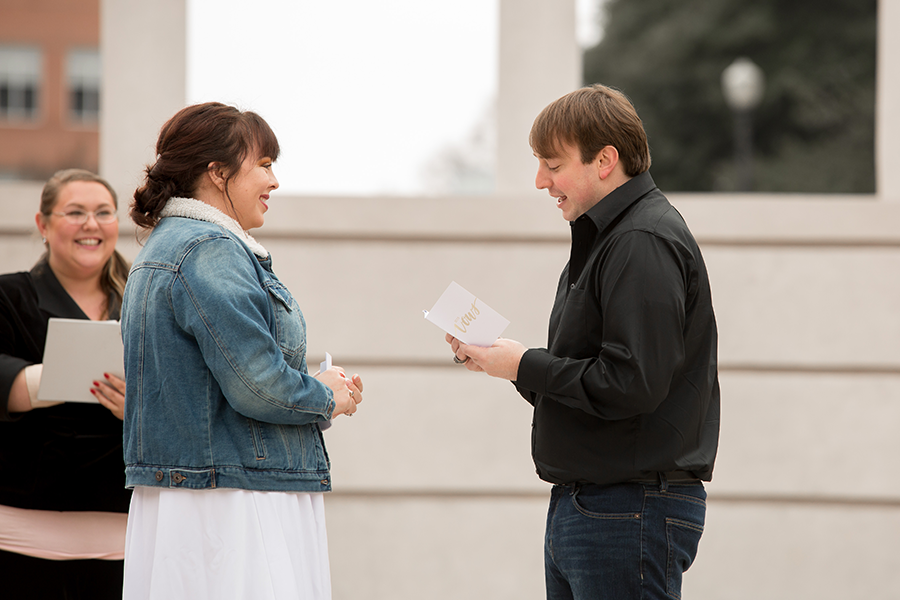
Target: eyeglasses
pixel 80 217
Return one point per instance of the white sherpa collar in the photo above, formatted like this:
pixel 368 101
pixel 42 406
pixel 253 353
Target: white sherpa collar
pixel 192 208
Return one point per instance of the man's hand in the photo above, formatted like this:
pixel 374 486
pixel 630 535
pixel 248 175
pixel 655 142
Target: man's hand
pixel 500 360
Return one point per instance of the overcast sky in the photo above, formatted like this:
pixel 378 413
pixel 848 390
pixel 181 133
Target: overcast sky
pixel 362 94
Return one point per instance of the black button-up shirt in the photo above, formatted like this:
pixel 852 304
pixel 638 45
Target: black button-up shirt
pixel 628 384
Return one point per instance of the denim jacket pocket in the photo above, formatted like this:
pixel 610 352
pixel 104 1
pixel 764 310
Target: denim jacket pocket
pixel 290 327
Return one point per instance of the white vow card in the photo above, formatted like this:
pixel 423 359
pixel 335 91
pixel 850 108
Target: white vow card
pixel 465 317
pixel 324 366
pixel 77 353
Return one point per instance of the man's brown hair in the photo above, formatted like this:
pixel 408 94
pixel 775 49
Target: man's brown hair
pixel 591 119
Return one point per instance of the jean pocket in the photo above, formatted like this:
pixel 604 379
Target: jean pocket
pixel 613 502
pixel 683 538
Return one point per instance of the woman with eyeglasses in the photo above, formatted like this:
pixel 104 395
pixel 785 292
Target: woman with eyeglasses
pixel 63 501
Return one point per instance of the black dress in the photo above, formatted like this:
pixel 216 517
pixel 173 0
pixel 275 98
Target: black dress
pixel 62 458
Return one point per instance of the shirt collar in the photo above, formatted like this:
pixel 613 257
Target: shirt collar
pixel 617 201
pixel 52 296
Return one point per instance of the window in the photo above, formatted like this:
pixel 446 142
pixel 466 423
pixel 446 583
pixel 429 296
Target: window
pixel 20 80
pixel 83 78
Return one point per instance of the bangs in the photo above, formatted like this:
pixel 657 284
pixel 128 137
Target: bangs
pixel 549 133
pixel 260 137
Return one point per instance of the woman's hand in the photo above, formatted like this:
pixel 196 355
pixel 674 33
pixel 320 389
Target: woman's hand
pixel 347 391
pixel 111 394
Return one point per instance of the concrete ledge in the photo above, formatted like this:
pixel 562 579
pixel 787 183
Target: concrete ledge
pixel 716 219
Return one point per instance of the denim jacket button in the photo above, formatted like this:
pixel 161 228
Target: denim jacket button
pixel 178 478
pixel 159 475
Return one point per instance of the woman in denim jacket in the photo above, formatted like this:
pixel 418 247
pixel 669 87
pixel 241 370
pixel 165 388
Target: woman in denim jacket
pixel 223 444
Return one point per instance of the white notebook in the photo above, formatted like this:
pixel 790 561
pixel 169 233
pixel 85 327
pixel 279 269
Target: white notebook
pixel 77 353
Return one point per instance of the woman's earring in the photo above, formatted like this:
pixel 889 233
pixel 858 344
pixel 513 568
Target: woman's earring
pixel 43 240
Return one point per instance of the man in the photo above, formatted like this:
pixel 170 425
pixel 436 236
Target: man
pixel 626 394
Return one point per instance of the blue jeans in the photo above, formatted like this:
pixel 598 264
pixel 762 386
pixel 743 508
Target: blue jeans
pixel 622 541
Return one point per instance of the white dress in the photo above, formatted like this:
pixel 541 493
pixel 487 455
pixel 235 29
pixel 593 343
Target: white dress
pixel 226 543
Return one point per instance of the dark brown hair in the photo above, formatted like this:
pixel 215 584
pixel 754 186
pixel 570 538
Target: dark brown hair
pixel 115 272
pixel 192 139
pixel 591 119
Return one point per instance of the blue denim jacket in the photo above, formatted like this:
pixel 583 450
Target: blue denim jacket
pixel 218 394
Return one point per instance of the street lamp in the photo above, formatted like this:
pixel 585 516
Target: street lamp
pixel 743 84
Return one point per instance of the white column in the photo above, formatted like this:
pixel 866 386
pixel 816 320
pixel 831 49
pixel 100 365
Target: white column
pixel 143 50
pixel 539 61
pixel 887 99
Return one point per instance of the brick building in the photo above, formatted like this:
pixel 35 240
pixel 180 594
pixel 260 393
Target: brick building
pixel 49 86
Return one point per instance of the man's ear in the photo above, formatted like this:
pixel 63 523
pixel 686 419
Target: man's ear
pixel 606 160
pixel 216 175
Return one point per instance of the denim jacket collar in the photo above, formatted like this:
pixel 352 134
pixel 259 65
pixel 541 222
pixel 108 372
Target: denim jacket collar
pixel 192 208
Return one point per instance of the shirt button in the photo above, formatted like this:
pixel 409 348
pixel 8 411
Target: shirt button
pixel 159 475
pixel 571 286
